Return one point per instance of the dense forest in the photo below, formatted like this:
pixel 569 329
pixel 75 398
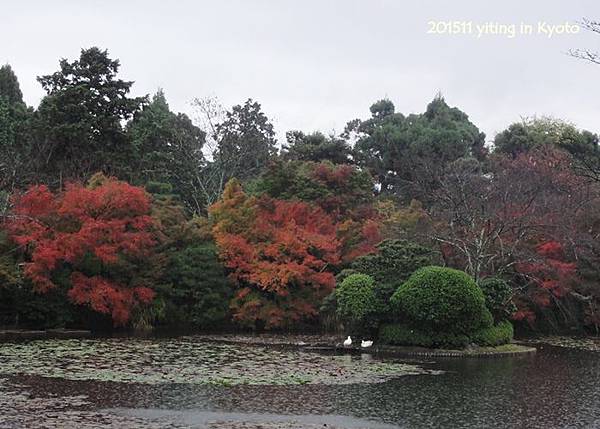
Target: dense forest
pixel 118 212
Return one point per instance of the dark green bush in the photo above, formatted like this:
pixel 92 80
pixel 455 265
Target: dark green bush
pixel 502 333
pixel 357 303
pixel 438 299
pixel 196 290
pixel 159 188
pixel 405 335
pixel 498 297
pixel 394 261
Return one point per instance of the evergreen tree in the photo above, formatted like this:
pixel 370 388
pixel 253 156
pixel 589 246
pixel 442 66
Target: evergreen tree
pixel 316 147
pixel 14 134
pixel 167 148
pixel 246 141
pixel 80 121
pixel 408 154
pixel 9 85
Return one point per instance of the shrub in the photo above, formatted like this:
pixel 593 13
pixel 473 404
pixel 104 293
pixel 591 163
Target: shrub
pixel 502 333
pixel 405 335
pixel 159 188
pixel 197 291
pixel 357 304
pixel 498 298
pixel 394 261
pixel 438 299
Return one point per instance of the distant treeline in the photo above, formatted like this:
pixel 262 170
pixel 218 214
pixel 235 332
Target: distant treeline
pixel 117 211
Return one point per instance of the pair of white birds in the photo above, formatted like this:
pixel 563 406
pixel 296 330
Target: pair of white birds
pixel 363 343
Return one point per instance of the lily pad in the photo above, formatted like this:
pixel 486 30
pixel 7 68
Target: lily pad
pixel 193 360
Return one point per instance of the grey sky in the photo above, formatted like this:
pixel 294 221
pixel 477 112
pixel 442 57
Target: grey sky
pixel 315 64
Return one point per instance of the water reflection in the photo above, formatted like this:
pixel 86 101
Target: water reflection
pixel 554 388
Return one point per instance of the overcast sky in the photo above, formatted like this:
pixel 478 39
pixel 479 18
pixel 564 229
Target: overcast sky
pixel 315 64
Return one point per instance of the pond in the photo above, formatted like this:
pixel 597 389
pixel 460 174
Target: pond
pixel 209 382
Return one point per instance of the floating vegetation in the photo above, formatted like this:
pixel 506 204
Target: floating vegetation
pixel 591 344
pixel 193 360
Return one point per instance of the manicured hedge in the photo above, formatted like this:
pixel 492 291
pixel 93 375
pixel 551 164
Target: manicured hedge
pixel 501 333
pixel 404 335
pixel 394 262
pixel 357 303
pixel 438 299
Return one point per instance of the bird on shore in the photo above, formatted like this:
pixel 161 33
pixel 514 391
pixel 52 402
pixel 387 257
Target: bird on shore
pixel 366 344
pixel 348 342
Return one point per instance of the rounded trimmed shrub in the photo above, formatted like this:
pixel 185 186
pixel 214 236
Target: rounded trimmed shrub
pixel 439 299
pixel 357 303
pixel 502 333
pixel 393 262
pixel 403 335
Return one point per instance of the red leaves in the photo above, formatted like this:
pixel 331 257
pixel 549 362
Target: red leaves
pixel 107 222
pixel 279 257
pixel 334 175
pixel 107 297
pixel 555 275
pixel 525 314
pixel 551 249
pixel 551 277
pixel 38 201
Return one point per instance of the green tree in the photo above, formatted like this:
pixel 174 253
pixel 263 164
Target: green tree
pixel 316 147
pixel 439 299
pixel 168 149
pixel 191 284
pixel 9 85
pixel 358 304
pixel 246 141
pixel 79 122
pixel 498 297
pixel 407 154
pixel 15 151
pixel 533 133
pixel 394 261
pixel 197 289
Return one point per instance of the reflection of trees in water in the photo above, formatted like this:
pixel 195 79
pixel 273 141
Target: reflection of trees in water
pixel 553 388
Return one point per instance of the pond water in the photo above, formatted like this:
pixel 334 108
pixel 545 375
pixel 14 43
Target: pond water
pixel 205 383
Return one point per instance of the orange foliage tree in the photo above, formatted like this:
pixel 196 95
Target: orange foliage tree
pixel 279 253
pixel 91 238
pixel 343 192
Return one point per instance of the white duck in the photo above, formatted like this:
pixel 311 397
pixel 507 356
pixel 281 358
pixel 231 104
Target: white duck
pixel 348 341
pixel 366 344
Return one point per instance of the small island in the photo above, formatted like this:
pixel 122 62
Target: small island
pixel 435 308
pixel 401 231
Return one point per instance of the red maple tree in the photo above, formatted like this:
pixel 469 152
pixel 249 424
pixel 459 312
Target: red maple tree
pixel 94 233
pixel 279 254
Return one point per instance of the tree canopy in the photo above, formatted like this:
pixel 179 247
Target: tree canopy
pixel 407 154
pixel 80 120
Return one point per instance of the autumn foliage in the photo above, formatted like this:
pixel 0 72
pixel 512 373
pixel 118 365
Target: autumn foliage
pixel 280 254
pixel 343 192
pixel 94 234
